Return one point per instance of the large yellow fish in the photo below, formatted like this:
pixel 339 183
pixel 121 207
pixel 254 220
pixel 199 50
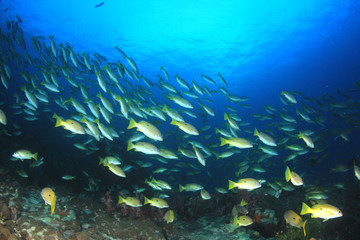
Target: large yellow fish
pixel 294 220
pixel 69 124
pixel 146 128
pixel 324 211
pixel 49 197
pixel 266 139
pixel 307 140
pixel 186 127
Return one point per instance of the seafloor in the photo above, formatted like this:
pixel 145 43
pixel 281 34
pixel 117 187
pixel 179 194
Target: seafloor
pixel 97 216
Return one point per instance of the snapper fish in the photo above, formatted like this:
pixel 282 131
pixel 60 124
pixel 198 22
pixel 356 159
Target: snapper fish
pixel 69 124
pixel 266 139
pixel 146 128
pixel 242 221
pixel 245 183
pixel 130 201
pixel 25 154
pixel 169 216
pixel 324 211
pixel 49 197
pixel 294 220
pixel 294 177
pixel 3 119
pixel 156 202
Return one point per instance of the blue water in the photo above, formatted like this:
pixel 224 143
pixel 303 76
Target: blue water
pixel 262 48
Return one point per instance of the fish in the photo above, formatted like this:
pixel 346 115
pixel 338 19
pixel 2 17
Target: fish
pixel 22 173
pixel 356 171
pixel 25 154
pixel 169 216
pixel 205 194
pixel 294 220
pixel 130 201
pixel 3 119
pixel 69 124
pixel 49 197
pixel 242 221
pixel 100 4
pixel 307 140
pixel 236 142
pixel 146 128
pixel 289 97
pixel 324 211
pixel 266 139
pixel 143 147
pixel 186 127
pixel 294 177
pixel 245 183
pixel 68 177
pixel 190 187
pixel 156 202
pixel 114 168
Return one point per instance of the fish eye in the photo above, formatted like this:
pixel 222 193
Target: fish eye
pixel 294 218
pixel 320 208
pixel 49 195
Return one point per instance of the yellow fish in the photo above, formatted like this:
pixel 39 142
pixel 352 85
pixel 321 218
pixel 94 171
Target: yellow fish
pixel 146 128
pixel 24 154
pixel 245 183
pixel 243 221
pixel 69 124
pixel 324 211
pixel 169 216
pixel 186 127
pixel 307 140
pixel 49 197
pixel 236 142
pixel 294 177
pixel 2 117
pixel 294 220
pixel 130 201
pixel 156 202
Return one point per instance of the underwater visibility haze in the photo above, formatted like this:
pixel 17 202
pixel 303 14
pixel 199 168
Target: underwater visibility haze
pixel 179 119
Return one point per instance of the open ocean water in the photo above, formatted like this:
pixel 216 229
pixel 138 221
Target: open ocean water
pixel 179 119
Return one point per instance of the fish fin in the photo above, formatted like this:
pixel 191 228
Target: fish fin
pixel 243 202
pixel 132 123
pixel 53 203
pixel 232 184
pixel 174 122
pixel 256 132
pixel 146 200
pixel 235 221
pixel 223 141
pixel 326 219
pixel 59 122
pixel 304 227
pixel 226 117
pixel 121 200
pixel 181 187
pixel 130 146
pixel 35 156
pixel 305 209
pixel 287 174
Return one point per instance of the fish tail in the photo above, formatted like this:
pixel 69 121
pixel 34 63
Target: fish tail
pixel 146 200
pixel 121 200
pixel 256 132
pixel 226 117
pixel 174 122
pixel 216 130
pixel 59 122
pixel 305 209
pixel 223 141
pixel 287 174
pixel 130 146
pixel 235 221
pixel 35 156
pixel 165 108
pixel 132 123
pixel 232 184
pixel 53 203
pixel 99 95
pixel 304 227
pixel 301 135
pixel 83 120
pixel 181 187
pixel 243 202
